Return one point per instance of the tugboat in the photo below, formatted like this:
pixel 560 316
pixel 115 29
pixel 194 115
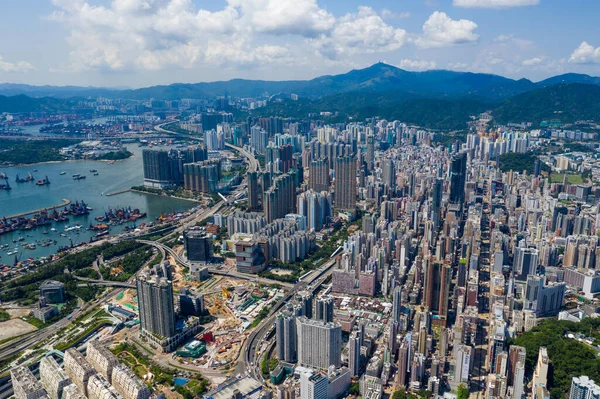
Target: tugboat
pixel 43 182
pixel 5 186
pixel 25 180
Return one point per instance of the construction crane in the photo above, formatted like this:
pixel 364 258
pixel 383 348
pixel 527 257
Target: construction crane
pixel 226 293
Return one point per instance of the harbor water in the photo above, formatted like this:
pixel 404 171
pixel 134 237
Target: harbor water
pixel 107 178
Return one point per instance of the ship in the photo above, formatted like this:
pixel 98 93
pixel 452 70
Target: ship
pixel 25 180
pixel 43 182
pixel 5 186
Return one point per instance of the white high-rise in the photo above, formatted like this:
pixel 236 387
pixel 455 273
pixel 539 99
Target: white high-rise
pixel 319 343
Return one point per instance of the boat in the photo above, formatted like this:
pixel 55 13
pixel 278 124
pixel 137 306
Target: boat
pixel 93 170
pixel 101 234
pixel 43 182
pixel 3 176
pixel 96 174
pixel 78 177
pixel 63 173
pixel 5 186
pixel 25 180
pixel 35 170
pixel 53 229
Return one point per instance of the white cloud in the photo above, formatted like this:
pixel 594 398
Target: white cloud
pixel 361 32
pixel 440 30
pixel 417 65
pixel 494 3
pixel 388 14
pixel 585 54
pixel 533 61
pixel 19 66
pixel 457 66
pixel 281 17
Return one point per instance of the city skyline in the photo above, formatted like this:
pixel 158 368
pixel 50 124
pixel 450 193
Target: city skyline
pixel 143 43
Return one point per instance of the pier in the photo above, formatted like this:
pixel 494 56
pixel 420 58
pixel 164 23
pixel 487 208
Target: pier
pixel 117 192
pixel 65 202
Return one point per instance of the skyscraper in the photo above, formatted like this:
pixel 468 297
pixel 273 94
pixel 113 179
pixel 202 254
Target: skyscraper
pixel 396 303
pixel 156 168
pixel 280 198
pixel 354 354
pixel 318 175
pixel 324 309
pixel 253 204
pixel 345 183
pixel 540 374
pixel 157 310
pixel 519 380
pixel 319 343
pixel 436 201
pixel 286 337
pixel 458 178
pixel 437 286
pixel 388 172
pixel 583 388
pixel 402 364
pixel 370 156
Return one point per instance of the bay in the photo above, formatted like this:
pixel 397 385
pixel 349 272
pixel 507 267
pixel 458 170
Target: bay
pixel 111 178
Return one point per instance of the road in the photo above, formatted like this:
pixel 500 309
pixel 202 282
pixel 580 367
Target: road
pixel 249 363
pixel 254 166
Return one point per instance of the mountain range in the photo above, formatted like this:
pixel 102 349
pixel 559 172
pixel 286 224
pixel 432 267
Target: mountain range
pixel 379 77
pixel 436 99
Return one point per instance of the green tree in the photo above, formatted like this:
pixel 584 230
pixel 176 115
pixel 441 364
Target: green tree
pixel 462 392
pixel 355 389
pixel 399 394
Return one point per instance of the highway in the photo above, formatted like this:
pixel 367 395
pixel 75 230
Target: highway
pixel 250 363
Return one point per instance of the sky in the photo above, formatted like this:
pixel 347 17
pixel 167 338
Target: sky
pixel 139 43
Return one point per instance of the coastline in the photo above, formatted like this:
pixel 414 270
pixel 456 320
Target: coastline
pixel 158 195
pixel 65 202
pixel 20 165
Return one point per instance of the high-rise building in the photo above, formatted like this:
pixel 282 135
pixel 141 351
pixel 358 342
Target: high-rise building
pixel 370 155
pixel 53 291
pixel 516 354
pixel 98 387
pixel 345 183
pixel 286 337
pixel 463 356
pixel 525 262
pixel 388 172
pixel 157 168
pixel 318 175
pixel 519 380
pixel 354 354
pixel 101 358
pixel 52 377
pixel 72 392
pixel 253 203
pixel 202 176
pixel 584 388
pixel 25 385
pixel 543 299
pixel 157 310
pixel 540 374
pixel 436 201
pixel 324 309
pixel 313 386
pixel 458 178
pixel 198 245
pixel 319 343
pixel 280 198
pixel 128 384
pixel 397 303
pixel 437 287
pixel 78 369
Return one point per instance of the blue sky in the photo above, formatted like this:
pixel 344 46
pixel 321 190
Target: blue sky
pixel 138 43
